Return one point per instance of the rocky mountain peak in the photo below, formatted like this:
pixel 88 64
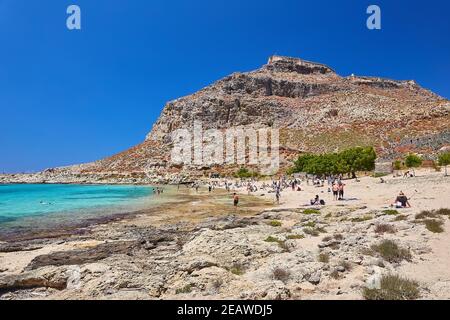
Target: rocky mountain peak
pixel 315 110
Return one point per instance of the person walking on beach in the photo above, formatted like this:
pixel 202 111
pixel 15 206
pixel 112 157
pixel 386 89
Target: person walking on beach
pixel 335 189
pixel 278 195
pixel 341 191
pixel 235 200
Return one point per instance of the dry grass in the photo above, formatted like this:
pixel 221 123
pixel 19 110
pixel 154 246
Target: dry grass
pixel 393 288
pixel 275 223
pixel 434 226
pixel 185 289
pixel 283 245
pixel 401 217
pixel 335 275
pixel 324 258
pixel 391 212
pixel 311 211
pixel 311 232
pixel 426 215
pixel 295 237
pixel 272 239
pixel 338 236
pixel 385 228
pixel 346 265
pixel 237 269
pixel 281 274
pixel 334 246
pixel 432 219
pixel 362 219
pixel 443 212
pixel 391 252
pixel 310 224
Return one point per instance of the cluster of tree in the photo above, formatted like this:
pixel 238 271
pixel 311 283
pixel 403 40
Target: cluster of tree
pixel 412 161
pixel 346 162
pixel 244 173
pixel 444 160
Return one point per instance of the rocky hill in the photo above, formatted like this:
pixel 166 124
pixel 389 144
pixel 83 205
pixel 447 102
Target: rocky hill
pixel 315 109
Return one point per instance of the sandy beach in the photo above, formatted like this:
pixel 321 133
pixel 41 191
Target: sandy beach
pixel 201 247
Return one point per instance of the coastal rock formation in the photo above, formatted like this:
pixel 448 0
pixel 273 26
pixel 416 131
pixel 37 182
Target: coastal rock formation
pixel 315 109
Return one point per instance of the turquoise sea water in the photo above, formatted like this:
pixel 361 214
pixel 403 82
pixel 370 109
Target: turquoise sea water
pixel 37 206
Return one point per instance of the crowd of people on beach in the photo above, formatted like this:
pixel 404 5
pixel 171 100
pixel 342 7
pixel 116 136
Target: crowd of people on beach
pixel 334 185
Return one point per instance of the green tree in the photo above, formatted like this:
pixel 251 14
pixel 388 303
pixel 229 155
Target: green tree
pixel 359 159
pixel 244 173
pixel 397 165
pixel 444 161
pixel 413 161
pixel 348 161
pixel 301 162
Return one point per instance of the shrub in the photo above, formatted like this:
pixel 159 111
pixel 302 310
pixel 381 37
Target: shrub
pixel 425 215
pixel 334 246
pixel 320 230
pixel 281 274
pixel 413 161
pixel 283 245
pixel 295 236
pixel 397 165
pixel 401 217
pixel 434 226
pixel 310 224
pixel 444 160
pixel 237 269
pixel 324 257
pixel 384 228
pixel 391 252
pixel 335 275
pixel 379 175
pixel 443 212
pixel 275 223
pixel 362 219
pixel 272 239
pixel 393 288
pixel 338 236
pixel 391 212
pixel 185 289
pixel 311 211
pixel 311 232
pixel 346 265
pixel 245 173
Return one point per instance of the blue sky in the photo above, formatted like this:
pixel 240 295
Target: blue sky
pixel 76 96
